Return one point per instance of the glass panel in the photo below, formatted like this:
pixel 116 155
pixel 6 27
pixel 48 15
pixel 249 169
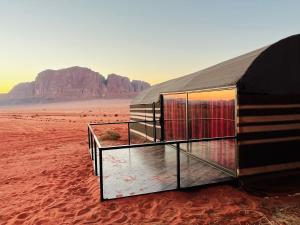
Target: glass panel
pixel 175 117
pixel 149 169
pixel 112 134
pixel 211 114
pixel 219 153
pixel 141 132
pixel 138 170
pixel 196 169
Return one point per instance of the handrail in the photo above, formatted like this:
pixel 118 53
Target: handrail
pixel 163 143
pixel 153 143
pixel 120 122
pixel 95 136
pixel 97 150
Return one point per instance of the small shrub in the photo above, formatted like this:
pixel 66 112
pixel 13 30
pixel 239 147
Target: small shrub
pixel 110 135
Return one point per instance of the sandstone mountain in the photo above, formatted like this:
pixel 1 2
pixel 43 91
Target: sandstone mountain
pixel 75 83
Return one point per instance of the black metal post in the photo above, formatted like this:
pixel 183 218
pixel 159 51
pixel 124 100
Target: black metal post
pixel 89 138
pixel 162 119
pixel 178 164
pixel 96 159
pixel 128 127
pixel 92 147
pixel 154 122
pixel 101 174
pixel 91 143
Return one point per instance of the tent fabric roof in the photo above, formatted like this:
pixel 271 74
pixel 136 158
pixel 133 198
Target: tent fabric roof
pixel 224 74
pixel 257 65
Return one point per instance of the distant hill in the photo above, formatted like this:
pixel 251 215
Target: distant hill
pixel 74 83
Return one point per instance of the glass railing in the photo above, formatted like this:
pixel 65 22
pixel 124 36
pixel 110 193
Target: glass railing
pixel 129 166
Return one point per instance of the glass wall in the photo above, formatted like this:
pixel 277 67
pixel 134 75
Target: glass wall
pixel 198 115
pixel 220 153
pixel 175 113
pixel 211 114
pixel 204 115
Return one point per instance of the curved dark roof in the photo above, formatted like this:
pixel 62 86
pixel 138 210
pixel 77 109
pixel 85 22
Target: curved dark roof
pixel 274 69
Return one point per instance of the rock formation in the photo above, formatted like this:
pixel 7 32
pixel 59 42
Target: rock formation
pixel 76 83
pixel 22 90
pixel 118 85
pixel 139 85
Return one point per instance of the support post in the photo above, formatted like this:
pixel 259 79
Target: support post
pixel 89 138
pixel 178 164
pixel 154 122
pixel 101 174
pixel 128 127
pixel 162 119
pixel 95 158
pixel 92 147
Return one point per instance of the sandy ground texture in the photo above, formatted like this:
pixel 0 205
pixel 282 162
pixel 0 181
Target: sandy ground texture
pixel 46 178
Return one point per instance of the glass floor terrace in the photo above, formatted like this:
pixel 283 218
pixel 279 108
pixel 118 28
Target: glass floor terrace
pixel 141 170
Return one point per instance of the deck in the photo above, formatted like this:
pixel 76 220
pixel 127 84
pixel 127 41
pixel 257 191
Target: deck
pixel 134 171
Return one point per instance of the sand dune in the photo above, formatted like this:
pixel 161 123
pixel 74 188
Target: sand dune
pixel 46 178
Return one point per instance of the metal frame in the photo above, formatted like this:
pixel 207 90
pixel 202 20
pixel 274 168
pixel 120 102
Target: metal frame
pixel 154 121
pixel 97 149
pixel 162 118
pixel 237 158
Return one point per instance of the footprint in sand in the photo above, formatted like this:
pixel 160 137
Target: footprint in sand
pixel 83 190
pixel 22 216
pixel 40 187
pixel 83 211
pixel 72 183
pixel 121 220
pixel 59 206
pixel 41 221
pixel 149 205
pixel 48 201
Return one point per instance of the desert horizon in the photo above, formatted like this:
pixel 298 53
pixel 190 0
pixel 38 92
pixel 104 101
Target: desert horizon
pixel 47 177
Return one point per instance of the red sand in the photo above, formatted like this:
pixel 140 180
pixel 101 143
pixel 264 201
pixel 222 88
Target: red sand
pixel 46 178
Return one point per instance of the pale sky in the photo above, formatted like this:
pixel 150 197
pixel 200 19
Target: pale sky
pixel 148 40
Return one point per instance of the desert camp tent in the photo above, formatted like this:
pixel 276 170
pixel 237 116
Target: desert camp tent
pixel 254 98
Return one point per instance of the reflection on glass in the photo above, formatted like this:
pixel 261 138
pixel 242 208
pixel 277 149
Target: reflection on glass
pixel 175 116
pixel 211 114
pixel 138 170
pixel 217 152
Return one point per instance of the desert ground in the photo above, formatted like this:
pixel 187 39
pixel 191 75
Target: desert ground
pixel 46 177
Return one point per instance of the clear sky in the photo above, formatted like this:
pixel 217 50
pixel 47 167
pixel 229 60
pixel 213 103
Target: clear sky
pixel 149 40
